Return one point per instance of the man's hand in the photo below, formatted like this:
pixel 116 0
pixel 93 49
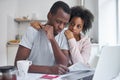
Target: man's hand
pixel 59 69
pixel 49 31
pixel 69 34
pixel 37 25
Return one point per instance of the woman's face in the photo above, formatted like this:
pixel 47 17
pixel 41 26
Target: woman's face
pixel 76 25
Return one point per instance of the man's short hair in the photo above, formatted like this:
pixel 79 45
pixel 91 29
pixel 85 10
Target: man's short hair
pixel 62 5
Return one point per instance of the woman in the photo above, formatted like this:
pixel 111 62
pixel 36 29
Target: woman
pixel 80 45
pixel 79 23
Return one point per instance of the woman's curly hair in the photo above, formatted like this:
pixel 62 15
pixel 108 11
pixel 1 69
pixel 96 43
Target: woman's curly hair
pixel 85 15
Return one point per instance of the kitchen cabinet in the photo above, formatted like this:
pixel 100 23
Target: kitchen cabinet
pixel 11 53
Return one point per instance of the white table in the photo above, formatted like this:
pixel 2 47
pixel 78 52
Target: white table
pixel 68 76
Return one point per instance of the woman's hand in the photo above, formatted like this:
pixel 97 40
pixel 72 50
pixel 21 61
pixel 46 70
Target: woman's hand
pixel 37 25
pixel 69 34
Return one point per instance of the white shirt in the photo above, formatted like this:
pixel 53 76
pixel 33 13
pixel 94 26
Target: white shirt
pixel 41 52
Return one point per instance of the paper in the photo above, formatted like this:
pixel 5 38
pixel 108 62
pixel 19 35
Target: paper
pixel 78 71
pixel 79 67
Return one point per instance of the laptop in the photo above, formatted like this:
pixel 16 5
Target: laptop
pixel 108 65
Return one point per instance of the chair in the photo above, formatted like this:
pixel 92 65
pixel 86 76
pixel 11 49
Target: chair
pixel 108 64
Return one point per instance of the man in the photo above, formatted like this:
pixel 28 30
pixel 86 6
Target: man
pixel 53 58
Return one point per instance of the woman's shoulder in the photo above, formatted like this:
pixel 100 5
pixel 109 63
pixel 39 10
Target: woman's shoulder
pixel 85 37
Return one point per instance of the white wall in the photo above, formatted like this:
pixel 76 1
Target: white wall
pixel 41 8
pixel 92 5
pixel 107 22
pixel 118 21
pixel 104 30
pixel 9 9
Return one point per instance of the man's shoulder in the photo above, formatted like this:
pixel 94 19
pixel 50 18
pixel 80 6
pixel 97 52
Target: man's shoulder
pixel 30 28
pixel 61 34
pixel 62 40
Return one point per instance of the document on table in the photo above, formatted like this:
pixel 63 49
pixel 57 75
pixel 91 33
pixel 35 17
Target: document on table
pixel 79 67
pixel 78 70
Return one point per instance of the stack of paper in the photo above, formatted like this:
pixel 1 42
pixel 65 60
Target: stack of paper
pixel 79 67
pixel 78 71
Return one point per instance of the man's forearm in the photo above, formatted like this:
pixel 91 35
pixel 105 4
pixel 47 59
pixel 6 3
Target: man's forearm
pixel 56 69
pixel 40 69
pixel 59 55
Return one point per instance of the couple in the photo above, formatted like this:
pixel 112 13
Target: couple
pixel 48 48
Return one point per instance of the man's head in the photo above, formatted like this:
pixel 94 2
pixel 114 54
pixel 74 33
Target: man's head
pixel 59 16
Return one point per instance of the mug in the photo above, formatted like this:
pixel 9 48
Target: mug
pixel 23 66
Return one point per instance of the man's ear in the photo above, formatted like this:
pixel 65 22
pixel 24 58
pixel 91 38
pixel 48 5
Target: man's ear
pixel 49 16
